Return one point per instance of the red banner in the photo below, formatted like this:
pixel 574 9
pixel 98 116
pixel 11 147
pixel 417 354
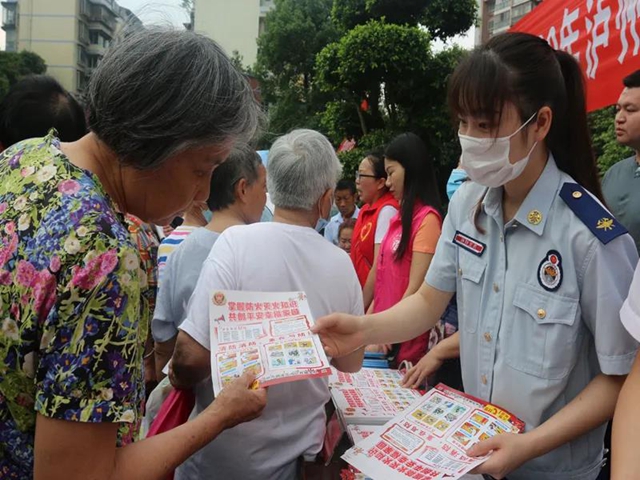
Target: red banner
pixel 604 35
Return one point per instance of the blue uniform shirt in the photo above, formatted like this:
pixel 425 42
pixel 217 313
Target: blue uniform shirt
pixel 538 304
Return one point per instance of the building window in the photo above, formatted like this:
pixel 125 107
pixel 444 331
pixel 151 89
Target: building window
pixel 97 38
pixel 83 58
pixel 520 11
pixel 94 60
pixel 81 81
pixel 502 4
pixel 84 7
pixel 9 15
pixel 502 20
pixel 83 32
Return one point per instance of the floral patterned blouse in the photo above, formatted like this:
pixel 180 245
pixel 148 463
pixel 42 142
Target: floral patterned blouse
pixel 72 317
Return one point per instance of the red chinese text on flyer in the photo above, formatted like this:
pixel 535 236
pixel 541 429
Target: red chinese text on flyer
pixel 429 439
pixel 267 333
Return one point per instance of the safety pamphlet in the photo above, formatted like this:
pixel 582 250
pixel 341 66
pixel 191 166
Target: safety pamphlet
pixel 428 440
pixel 267 333
pixel 357 433
pixel 367 377
pixel 371 406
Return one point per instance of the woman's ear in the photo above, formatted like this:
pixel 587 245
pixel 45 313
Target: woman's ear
pixel 543 123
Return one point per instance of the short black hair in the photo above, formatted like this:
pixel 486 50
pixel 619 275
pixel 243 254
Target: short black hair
pixel 35 105
pixel 633 80
pixel 376 160
pixel 346 184
pixel 241 164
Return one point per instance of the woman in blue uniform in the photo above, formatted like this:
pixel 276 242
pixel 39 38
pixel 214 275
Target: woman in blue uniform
pixel 539 265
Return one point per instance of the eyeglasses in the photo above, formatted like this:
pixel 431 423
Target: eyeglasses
pixel 363 175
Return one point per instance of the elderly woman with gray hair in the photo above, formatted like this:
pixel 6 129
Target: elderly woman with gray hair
pixel 285 255
pixel 165 108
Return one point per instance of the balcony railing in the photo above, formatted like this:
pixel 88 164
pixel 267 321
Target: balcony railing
pixel 100 16
pixel 96 49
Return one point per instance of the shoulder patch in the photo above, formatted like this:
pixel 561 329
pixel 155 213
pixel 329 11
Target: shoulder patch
pixel 593 215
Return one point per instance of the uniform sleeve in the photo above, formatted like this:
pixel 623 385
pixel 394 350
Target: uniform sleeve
pixel 428 234
pixel 218 273
pixel 89 365
pixel 384 219
pixel 444 265
pixel 630 312
pixel 606 280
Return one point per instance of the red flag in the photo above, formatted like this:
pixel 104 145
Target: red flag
pixel 603 35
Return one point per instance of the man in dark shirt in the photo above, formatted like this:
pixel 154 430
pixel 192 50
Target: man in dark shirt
pixel 621 184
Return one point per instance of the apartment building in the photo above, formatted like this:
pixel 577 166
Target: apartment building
pixel 497 16
pixel 235 25
pixel 70 35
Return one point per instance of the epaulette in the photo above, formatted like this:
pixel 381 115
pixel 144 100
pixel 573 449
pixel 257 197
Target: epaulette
pixel 593 215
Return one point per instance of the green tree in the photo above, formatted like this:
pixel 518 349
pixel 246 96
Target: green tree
pixel 14 66
pixel 296 30
pixel 603 133
pixel 384 57
pixel 442 18
pixel 373 61
pixel 237 61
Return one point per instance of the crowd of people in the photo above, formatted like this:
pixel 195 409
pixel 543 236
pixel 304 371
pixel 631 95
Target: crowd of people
pixel 118 218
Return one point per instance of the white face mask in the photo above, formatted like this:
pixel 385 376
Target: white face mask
pixel 486 160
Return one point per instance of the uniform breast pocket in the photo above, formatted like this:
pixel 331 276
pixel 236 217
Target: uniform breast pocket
pixel 542 337
pixel 469 296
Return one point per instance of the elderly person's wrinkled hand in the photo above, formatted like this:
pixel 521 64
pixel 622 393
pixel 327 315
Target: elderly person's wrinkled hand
pixel 239 401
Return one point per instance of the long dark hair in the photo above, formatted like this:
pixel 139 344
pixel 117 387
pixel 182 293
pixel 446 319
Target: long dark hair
pixel 524 70
pixel 419 181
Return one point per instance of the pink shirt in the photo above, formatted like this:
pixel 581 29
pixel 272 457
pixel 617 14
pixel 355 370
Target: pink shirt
pixel 392 277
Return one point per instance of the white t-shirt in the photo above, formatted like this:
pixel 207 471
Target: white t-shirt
pixel 271 257
pixel 630 311
pixel 384 219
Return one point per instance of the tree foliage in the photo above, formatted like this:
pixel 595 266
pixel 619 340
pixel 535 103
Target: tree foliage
pixel 296 30
pixel 363 69
pixel 442 18
pixel 388 63
pixel 14 66
pixel 603 133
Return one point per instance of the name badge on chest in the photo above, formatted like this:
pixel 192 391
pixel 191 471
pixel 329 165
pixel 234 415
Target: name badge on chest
pixel 470 244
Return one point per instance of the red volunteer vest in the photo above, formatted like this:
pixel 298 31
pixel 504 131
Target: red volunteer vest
pixel 362 243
